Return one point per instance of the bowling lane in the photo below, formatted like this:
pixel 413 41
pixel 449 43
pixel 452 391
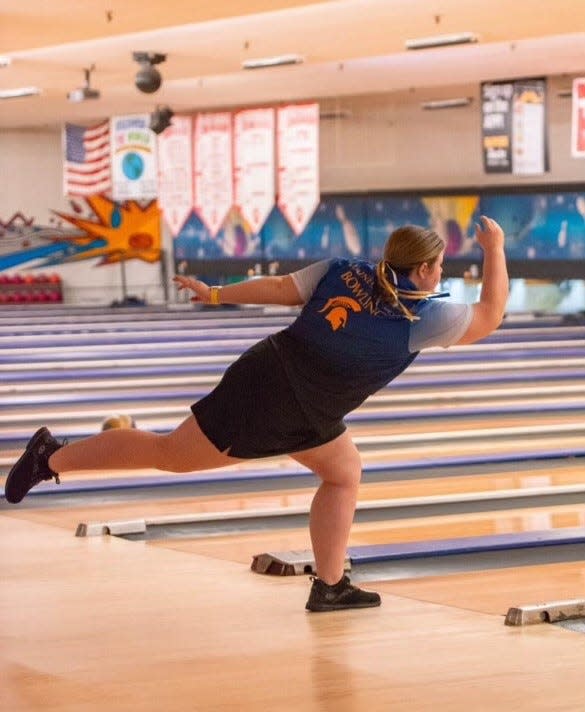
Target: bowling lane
pixel 243 546
pixel 396 425
pixel 27 394
pixel 85 319
pixel 90 337
pixel 559 476
pixel 497 590
pixel 434 456
pixel 570 396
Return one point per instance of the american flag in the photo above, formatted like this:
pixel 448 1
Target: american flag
pixel 87 169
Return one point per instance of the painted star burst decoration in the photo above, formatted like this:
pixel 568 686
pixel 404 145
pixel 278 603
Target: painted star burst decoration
pixel 130 231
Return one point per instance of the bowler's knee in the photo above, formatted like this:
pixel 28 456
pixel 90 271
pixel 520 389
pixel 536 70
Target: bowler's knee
pixel 346 472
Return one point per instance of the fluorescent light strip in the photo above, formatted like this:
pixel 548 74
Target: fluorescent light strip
pixel 331 115
pixel 441 41
pixel 278 61
pixel 5 61
pixel 15 93
pixel 446 103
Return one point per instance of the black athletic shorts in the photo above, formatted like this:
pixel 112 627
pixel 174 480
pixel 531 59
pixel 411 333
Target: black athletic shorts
pixel 254 412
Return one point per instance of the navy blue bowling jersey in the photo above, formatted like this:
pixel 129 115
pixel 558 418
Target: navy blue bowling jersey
pixel 348 342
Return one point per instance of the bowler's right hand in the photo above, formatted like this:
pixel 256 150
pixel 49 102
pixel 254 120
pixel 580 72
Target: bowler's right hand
pixel 489 234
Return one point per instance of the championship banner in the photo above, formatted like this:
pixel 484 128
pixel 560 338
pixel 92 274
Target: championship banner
pixel 529 149
pixel 298 163
pixel 514 127
pixel 578 119
pixel 212 149
pixel 254 165
pixel 175 172
pixel 134 175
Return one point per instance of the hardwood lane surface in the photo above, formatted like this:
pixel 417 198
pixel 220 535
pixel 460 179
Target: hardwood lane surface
pixel 386 406
pixel 88 625
pixel 497 590
pixel 243 546
pixel 560 474
pixel 392 455
pixel 28 391
pixel 391 428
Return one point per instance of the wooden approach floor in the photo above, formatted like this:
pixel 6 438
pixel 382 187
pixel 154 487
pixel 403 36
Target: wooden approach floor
pixel 108 624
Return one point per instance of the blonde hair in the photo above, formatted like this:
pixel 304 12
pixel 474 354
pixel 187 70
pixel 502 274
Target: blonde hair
pixel 406 248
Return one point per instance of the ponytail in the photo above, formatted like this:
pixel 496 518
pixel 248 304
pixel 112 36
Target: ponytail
pixel 394 295
pixel 406 248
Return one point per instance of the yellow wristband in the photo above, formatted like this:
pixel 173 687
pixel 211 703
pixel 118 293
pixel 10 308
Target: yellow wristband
pixel 214 295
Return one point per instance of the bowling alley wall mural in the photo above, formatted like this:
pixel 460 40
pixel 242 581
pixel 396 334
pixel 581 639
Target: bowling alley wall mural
pixel 538 226
pixel 97 231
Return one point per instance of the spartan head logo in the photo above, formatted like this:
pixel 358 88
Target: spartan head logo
pixel 338 314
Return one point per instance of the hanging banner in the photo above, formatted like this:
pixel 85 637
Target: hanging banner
pixel 254 165
pixel 298 163
pixel 529 150
pixel 578 120
pixel 212 158
pixel 514 127
pixel 134 175
pixel 496 104
pixel 175 172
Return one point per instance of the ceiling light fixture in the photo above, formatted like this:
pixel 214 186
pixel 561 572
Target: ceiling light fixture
pixel 446 103
pixel 278 61
pixel 16 93
pixel 332 115
pixel 5 61
pixel 441 41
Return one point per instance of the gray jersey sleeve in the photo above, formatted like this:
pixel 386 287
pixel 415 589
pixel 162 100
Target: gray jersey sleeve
pixel 308 278
pixel 441 324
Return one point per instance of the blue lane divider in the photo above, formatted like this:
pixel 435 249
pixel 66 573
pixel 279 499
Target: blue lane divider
pixel 408 381
pixel 108 336
pixel 40 355
pixel 152 338
pixel 362 416
pixel 294 471
pixel 467 545
pixel 458 411
pixel 359 416
pixel 137 313
pixel 124 397
pixel 113 371
pixel 452 357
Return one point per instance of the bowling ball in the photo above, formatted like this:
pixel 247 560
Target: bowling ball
pixel 118 420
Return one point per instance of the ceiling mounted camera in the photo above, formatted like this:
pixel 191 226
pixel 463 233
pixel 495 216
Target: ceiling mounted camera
pixel 160 119
pixel 148 79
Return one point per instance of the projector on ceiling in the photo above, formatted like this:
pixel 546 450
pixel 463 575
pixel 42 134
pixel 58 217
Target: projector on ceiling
pixel 83 94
